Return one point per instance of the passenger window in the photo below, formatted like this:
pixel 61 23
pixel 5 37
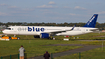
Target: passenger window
pixel 25 29
pixel 19 29
pixel 86 29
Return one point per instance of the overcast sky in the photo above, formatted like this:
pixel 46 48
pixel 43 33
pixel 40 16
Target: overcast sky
pixel 57 11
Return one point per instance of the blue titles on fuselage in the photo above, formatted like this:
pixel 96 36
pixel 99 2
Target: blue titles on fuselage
pixel 35 29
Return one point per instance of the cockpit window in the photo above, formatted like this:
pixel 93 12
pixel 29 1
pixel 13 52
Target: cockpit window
pixel 8 28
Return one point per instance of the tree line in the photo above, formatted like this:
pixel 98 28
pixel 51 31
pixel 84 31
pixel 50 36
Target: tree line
pixel 101 26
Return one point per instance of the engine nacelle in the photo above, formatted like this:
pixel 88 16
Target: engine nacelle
pixel 36 36
pixel 44 35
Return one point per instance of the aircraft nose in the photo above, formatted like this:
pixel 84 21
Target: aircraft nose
pixel 4 31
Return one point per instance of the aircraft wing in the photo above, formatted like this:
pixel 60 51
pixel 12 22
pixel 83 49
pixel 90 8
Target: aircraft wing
pixel 55 32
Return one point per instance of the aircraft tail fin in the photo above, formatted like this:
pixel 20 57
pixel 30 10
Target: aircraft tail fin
pixel 92 22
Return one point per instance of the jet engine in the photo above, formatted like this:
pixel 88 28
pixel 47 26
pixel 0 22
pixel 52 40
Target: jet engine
pixel 42 35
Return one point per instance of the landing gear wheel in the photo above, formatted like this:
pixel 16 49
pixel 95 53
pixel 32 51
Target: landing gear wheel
pixel 9 37
pixel 18 38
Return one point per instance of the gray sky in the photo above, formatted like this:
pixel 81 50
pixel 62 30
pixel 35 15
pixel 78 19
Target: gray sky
pixel 57 11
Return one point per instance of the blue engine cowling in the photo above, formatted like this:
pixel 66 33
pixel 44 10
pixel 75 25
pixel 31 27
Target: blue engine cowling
pixel 44 35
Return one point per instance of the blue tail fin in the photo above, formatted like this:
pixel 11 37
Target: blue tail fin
pixel 92 22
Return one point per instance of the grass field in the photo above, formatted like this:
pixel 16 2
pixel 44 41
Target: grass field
pixel 32 47
pixel 36 47
pixel 97 53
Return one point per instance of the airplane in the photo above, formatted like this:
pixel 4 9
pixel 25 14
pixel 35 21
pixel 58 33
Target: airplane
pixel 47 31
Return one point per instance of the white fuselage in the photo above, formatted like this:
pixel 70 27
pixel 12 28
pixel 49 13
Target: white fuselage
pixel 37 30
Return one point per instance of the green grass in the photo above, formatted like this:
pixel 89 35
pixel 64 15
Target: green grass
pixel 36 47
pixel 91 54
pixel 32 47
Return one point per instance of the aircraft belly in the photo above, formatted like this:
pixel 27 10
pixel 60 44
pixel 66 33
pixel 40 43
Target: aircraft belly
pixel 70 33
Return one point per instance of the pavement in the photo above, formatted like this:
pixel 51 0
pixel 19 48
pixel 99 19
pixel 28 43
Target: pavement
pixel 85 48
